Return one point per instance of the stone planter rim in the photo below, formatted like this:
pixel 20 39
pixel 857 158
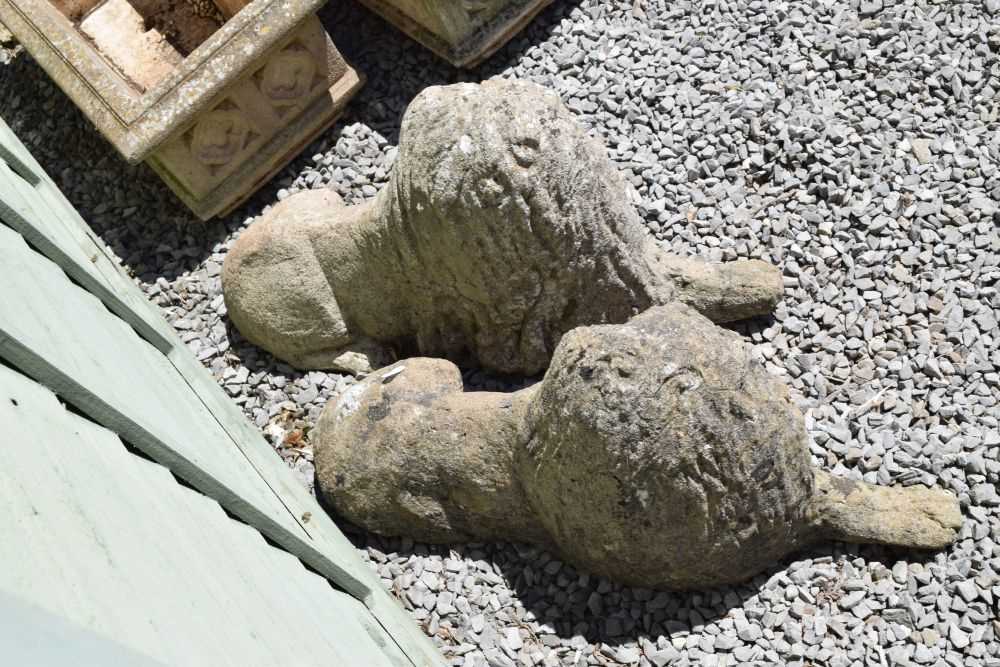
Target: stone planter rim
pixel 137 123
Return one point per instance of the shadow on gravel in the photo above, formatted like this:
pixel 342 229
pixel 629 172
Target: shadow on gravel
pixel 476 379
pixel 574 604
pixel 747 328
pixel 398 68
pixel 682 612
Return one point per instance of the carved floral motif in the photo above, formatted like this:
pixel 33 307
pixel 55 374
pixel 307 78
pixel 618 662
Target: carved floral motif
pixel 288 76
pixel 219 136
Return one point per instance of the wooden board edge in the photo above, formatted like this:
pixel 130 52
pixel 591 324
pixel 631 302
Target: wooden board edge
pixel 100 412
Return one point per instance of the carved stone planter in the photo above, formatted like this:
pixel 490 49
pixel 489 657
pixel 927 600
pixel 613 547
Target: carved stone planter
pixel 215 106
pixel 464 32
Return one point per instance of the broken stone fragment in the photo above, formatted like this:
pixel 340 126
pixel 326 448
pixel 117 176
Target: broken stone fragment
pixel 502 227
pixel 658 453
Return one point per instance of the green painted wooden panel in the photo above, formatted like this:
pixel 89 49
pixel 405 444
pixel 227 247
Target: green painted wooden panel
pixel 29 635
pixel 327 536
pixel 116 546
pixel 14 153
pixel 44 217
pixel 33 206
pixel 65 337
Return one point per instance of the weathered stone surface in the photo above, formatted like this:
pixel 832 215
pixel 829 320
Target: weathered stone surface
pixel 915 516
pixel 238 142
pixel 280 295
pixel 502 227
pixel 670 448
pixel 410 454
pixel 658 452
pixel 722 292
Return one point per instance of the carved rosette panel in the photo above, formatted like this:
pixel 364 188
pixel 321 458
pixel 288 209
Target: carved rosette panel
pixel 288 77
pixel 293 76
pixel 257 108
pixel 219 136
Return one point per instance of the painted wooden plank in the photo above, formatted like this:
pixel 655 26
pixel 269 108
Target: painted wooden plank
pixel 120 549
pixel 197 549
pixel 232 566
pixel 59 233
pixel 39 212
pixel 329 539
pixel 17 164
pixel 54 520
pixel 63 336
pixel 17 155
pixel 246 438
pixel 302 588
pixel 44 232
pixel 228 414
pixel 239 554
pixel 32 636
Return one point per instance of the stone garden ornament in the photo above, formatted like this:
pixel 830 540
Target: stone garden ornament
pixel 657 453
pixel 502 227
pixel 214 96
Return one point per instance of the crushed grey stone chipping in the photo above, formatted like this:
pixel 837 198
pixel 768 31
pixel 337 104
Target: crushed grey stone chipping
pixel 855 144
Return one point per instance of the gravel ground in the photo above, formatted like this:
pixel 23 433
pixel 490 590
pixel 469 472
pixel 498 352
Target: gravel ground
pixel 854 144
